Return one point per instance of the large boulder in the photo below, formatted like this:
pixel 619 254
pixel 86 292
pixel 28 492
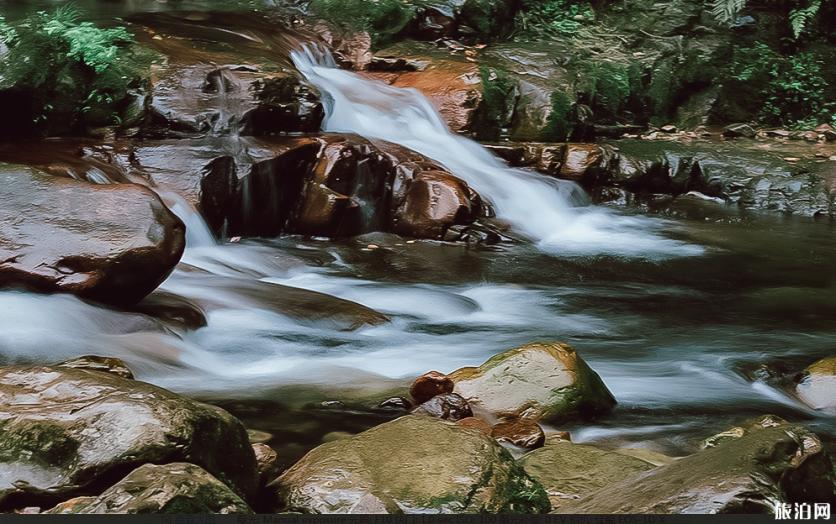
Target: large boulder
pixel 178 488
pixel 65 430
pixel 741 475
pixel 344 185
pixel 548 382
pixel 112 243
pixel 817 385
pixel 410 465
pixel 572 471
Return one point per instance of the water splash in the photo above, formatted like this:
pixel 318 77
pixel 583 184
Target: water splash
pixel 542 208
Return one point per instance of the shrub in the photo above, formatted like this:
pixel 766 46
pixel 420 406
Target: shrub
pixel 790 89
pixel 553 17
pixel 382 19
pixel 77 73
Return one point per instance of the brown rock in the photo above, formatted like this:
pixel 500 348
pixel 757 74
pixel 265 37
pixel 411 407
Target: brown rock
pixel 267 463
pixel 107 364
pixel 520 433
pixel 430 384
pixel 112 243
pixel 435 201
pixel 453 86
pixel 578 160
pixel 475 423
pixel 447 406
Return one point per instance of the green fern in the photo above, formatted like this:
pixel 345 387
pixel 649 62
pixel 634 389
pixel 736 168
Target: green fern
pixel 801 17
pixel 726 11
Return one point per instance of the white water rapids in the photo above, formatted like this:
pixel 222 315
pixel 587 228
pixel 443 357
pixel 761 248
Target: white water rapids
pixel 542 208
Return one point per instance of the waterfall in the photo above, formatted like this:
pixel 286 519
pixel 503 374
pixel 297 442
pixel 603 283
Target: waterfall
pixel 542 208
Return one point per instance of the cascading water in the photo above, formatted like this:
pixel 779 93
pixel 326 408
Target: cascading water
pixel 542 208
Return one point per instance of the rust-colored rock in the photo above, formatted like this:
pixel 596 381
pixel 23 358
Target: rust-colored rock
pixel 267 463
pixel 578 160
pixel 111 243
pixel 520 433
pixel 430 384
pixel 435 201
pixel 447 406
pixel 453 86
pixel 475 423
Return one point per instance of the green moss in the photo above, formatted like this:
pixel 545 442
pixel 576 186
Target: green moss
pixel 43 442
pixel 559 124
pixel 539 18
pixel 498 90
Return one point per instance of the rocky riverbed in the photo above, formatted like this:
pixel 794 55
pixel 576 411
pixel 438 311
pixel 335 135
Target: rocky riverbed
pixel 281 287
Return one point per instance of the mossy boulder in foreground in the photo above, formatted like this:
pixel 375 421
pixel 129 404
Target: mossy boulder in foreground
pixel 548 382
pixel 66 432
pixel 572 471
pixel 748 474
pixel 178 488
pixel 413 464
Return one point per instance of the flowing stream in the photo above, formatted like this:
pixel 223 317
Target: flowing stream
pixel 681 318
pixel 546 210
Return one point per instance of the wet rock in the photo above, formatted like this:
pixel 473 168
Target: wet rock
pixel 547 382
pixel 739 131
pixel 447 406
pixel 766 421
pixel 173 310
pixel 343 185
pixel 111 243
pixel 573 471
pixel 434 202
pixel 267 461
pixel 475 423
pixel 66 430
pixel 578 160
pixel 741 475
pixel 112 365
pixel 428 385
pixel 178 488
pixel 452 85
pixel 396 404
pixel 285 104
pixel 520 433
pixel 410 465
pixel 817 385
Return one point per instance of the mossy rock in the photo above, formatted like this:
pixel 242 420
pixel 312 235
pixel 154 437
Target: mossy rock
pixel 411 465
pixel 741 475
pixel 572 471
pixel 178 488
pixel 548 382
pixel 65 430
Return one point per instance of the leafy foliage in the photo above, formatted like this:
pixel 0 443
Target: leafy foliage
pixel 79 72
pixel 726 11
pixel 497 99
pixel 802 17
pixel 553 17
pixel 792 89
pixel 381 18
pixel 608 84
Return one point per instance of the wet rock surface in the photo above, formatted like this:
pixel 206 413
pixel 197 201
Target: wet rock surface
pixel 817 385
pixel 410 465
pixel 177 488
pixel 548 382
pixel 430 384
pixel 111 243
pixel 741 475
pixel 570 472
pixel 447 406
pixel 67 431
pixel 519 433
